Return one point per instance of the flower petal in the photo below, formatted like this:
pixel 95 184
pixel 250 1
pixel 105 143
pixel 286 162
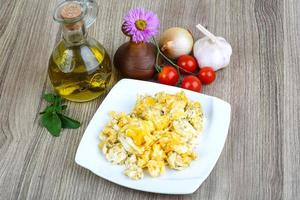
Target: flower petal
pixel 141 35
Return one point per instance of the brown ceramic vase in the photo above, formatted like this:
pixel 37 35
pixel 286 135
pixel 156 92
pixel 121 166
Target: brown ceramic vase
pixel 136 60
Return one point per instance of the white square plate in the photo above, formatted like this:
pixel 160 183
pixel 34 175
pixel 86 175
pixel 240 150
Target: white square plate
pixel 122 98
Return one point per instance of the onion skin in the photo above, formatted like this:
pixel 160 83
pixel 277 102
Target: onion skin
pixel 175 42
pixel 136 60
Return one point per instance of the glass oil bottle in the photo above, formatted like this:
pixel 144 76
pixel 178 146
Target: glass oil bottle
pixel 79 68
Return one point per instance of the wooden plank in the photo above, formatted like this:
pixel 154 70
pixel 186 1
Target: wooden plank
pixel 291 104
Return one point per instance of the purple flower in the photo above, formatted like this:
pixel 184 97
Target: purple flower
pixel 140 25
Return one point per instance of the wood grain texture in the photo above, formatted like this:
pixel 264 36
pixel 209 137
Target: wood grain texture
pixel 291 147
pixel 261 157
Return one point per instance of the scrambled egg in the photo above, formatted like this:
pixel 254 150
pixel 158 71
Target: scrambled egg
pixel 160 132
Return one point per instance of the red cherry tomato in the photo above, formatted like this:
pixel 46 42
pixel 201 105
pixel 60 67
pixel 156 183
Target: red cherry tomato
pixel 187 64
pixel 168 75
pixel 191 83
pixel 207 75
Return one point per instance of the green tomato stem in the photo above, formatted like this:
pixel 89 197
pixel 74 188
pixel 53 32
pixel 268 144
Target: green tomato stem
pixel 159 52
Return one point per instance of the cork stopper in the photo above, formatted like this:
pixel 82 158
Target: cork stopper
pixel 72 11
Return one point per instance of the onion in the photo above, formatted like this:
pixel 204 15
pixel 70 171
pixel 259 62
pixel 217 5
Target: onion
pixel 175 42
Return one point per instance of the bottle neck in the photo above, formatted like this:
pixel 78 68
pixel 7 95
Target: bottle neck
pixel 74 34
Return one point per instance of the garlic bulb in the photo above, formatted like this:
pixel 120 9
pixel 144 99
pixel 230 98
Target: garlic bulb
pixel 212 51
pixel 175 42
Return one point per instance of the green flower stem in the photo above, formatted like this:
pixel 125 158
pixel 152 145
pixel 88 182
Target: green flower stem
pixel 157 67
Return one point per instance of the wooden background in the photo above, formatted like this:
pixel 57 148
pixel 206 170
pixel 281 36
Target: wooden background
pixel 261 157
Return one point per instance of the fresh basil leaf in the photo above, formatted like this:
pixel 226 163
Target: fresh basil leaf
pixel 49 98
pixel 52 119
pixel 59 108
pixel 64 107
pixel 67 122
pixel 48 109
pixel 52 123
pixel 57 101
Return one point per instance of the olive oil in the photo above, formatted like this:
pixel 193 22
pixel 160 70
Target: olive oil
pixel 80 73
pixel 79 67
